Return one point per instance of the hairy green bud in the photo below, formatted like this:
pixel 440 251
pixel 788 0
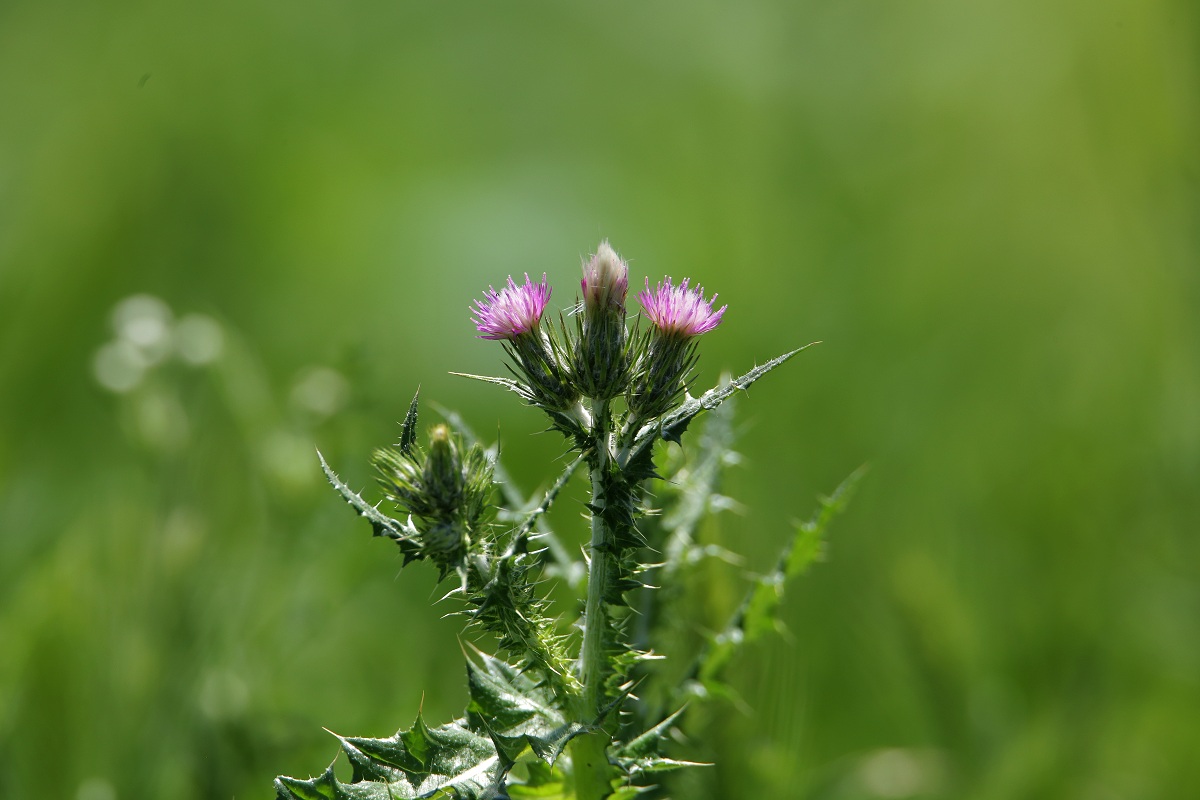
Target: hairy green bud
pixel 443 471
pixel 447 490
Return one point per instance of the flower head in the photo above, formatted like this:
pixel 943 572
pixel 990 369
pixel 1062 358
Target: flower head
pixel 512 311
pixel 605 279
pixel 678 310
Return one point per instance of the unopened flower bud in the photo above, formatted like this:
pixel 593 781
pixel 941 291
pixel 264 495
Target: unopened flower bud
pixel 605 280
pixel 601 360
pixel 444 539
pixel 443 471
pixel 446 490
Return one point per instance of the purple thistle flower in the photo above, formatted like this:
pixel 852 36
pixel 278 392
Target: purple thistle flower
pixel 512 311
pixel 679 311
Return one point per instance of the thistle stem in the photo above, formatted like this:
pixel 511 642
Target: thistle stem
pixel 589 752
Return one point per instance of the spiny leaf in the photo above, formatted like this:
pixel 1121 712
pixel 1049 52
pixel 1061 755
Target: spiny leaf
pixel 510 712
pixel 408 430
pixel 448 755
pixel 417 763
pixel 507 383
pixel 642 755
pixel 328 787
pixel 516 710
pixel 673 424
pixel 646 766
pixel 381 524
pixel 648 743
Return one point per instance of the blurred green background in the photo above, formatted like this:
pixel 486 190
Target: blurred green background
pixel 231 232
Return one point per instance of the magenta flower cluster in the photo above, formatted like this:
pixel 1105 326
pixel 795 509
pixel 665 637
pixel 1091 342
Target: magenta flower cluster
pixel 678 310
pixel 512 311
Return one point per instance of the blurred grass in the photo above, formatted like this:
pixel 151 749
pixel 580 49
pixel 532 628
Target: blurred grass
pixel 987 211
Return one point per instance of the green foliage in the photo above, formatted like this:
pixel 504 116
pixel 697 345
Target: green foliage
pixel 418 762
pixel 509 715
pixel 518 711
pixel 542 702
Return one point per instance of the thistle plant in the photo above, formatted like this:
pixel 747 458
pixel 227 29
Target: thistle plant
pixel 573 703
